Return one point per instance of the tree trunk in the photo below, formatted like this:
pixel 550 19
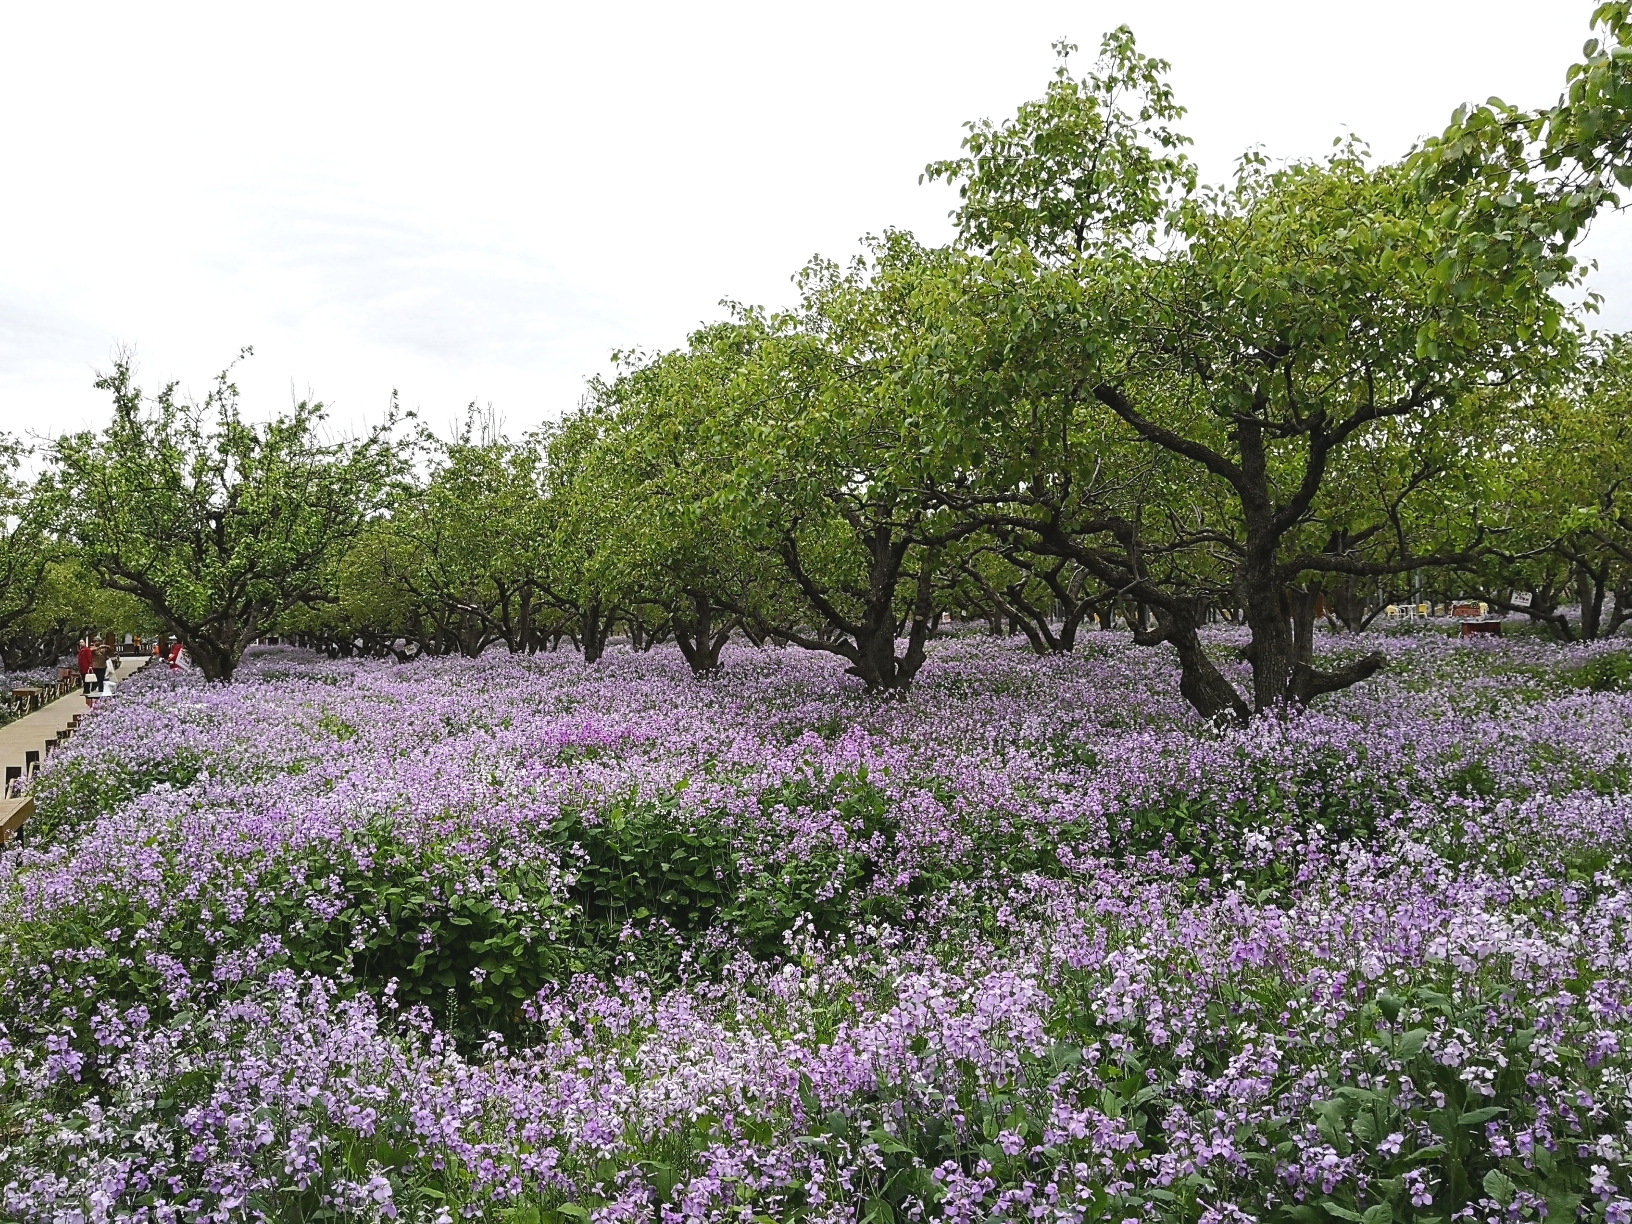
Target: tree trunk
pixel 869 643
pixel 524 624
pixel 595 632
pixel 213 660
pixel 1589 588
pixel 1201 683
pixel 1282 652
pixel 1623 609
pixel 1349 605
pixel 1303 602
pixel 697 637
pixel 875 661
pixel 1272 651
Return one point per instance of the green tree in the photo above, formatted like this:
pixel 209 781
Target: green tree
pixel 459 561
pixel 824 476
pixel 29 545
pixel 1094 161
pixel 70 603
pixel 218 524
pixel 587 575
pixel 665 464
pixel 1293 315
pixel 1563 479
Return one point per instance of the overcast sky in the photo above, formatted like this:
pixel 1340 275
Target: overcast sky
pixel 481 202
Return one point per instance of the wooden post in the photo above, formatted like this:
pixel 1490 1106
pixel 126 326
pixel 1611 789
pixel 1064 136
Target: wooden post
pixel 12 814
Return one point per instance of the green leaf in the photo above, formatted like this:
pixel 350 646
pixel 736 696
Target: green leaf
pixel 1499 1186
pixel 1562 1206
pixel 1410 1044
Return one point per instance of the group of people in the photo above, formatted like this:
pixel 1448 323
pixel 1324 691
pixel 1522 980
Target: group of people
pixel 99 659
pixel 95 660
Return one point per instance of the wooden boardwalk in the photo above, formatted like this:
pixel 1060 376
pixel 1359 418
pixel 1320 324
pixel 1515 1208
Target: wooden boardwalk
pixel 31 733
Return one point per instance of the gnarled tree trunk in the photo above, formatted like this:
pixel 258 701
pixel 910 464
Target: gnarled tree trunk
pixel 699 636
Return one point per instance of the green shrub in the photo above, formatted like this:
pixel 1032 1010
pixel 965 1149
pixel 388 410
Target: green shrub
pixel 413 915
pixel 1606 673
pixel 645 867
pixel 386 911
pixel 78 791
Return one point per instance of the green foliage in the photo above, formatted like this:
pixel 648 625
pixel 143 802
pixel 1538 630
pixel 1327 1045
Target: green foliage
pixel 383 914
pixel 1093 162
pixel 219 525
pixel 642 886
pixel 640 873
pixel 462 562
pixel 71 796
pixel 472 953
pixel 1454 1164
pixel 649 882
pixel 1606 673
pixel 29 551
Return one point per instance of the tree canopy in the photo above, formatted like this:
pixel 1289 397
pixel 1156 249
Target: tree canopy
pixel 219 525
pixel 1119 394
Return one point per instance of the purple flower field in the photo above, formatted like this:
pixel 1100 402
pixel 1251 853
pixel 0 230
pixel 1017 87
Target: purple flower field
pixel 519 939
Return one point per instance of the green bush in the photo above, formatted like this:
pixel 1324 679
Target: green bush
pixel 646 868
pixel 78 791
pixel 386 911
pixel 1607 673
pixel 412 915
pixel 638 887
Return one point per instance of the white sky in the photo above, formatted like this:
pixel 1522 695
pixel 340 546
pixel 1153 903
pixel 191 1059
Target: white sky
pixel 480 202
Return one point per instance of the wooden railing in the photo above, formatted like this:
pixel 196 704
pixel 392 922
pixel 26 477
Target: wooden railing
pixel 25 699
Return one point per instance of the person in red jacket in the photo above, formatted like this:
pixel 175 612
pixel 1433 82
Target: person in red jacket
pixel 87 660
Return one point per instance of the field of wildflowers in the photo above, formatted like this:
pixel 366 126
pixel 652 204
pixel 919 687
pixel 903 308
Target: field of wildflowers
pixel 519 939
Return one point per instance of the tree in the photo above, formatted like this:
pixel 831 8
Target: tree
pixel 29 545
pixel 1093 161
pixel 822 444
pixel 1029 590
pixel 218 524
pixel 70 603
pixel 1564 479
pixel 464 552
pixel 1287 321
pixel 586 578
pixel 681 556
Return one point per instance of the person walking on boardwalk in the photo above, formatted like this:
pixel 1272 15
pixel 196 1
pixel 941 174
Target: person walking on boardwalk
pixel 87 661
pixel 99 665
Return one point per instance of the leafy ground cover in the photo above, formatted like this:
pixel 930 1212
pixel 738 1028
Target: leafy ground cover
pixel 525 940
